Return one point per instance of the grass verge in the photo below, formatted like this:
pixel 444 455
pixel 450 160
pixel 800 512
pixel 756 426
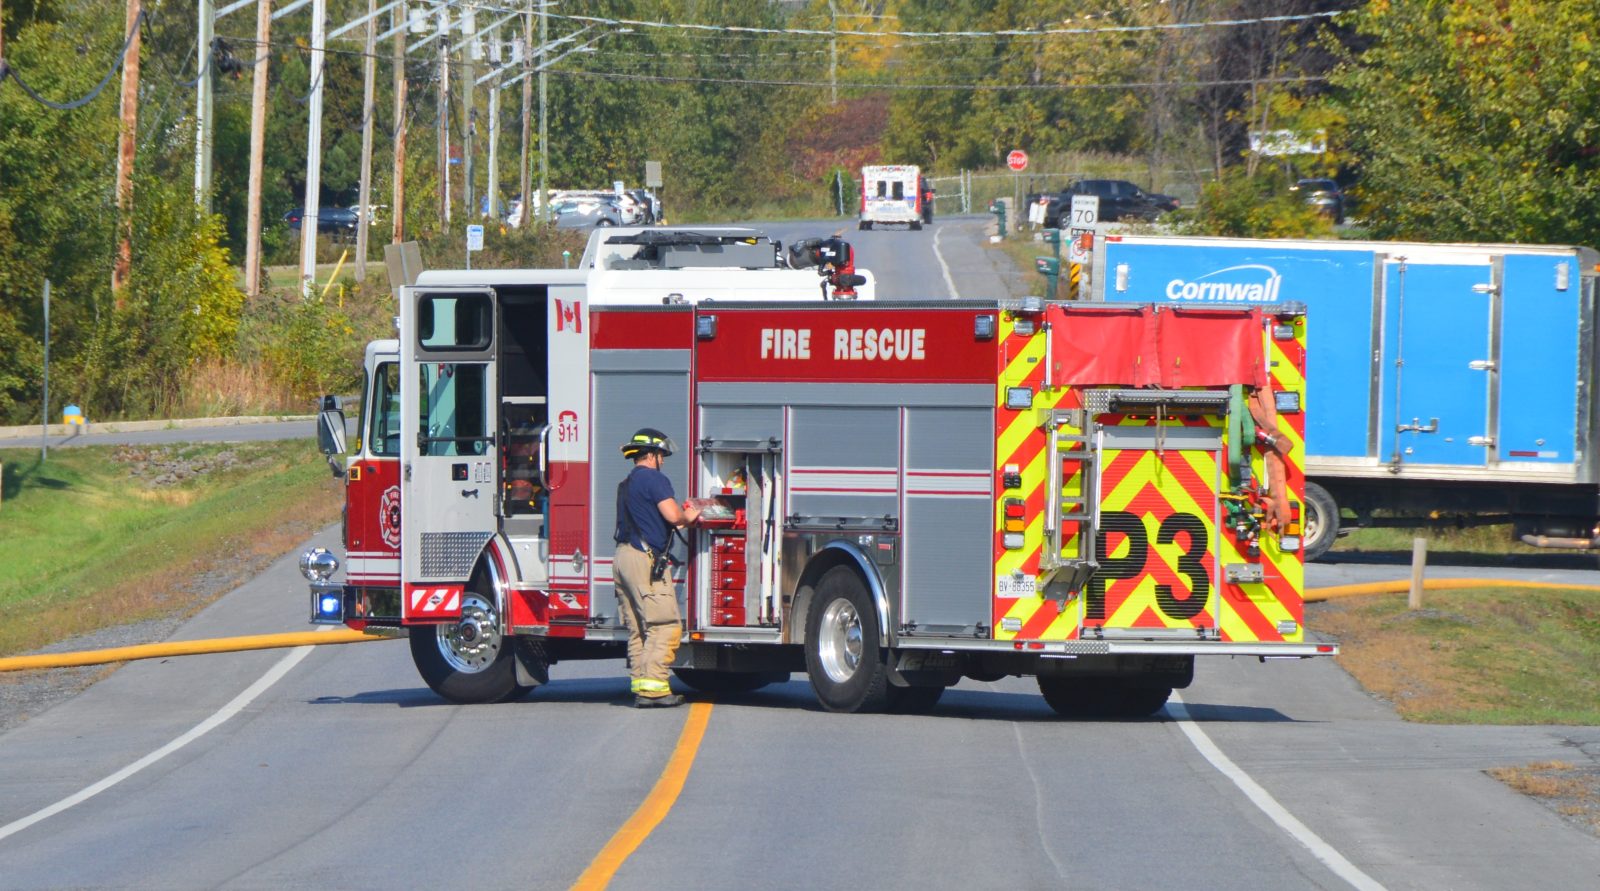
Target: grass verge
pixel 1571 791
pixel 1487 656
pixel 108 535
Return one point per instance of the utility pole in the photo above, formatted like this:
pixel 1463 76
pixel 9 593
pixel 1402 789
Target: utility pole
pixel 369 74
pixel 258 135
pixel 398 205
pixel 469 56
pixel 127 135
pixel 204 123
pixel 527 100
pixel 309 217
pixel 493 189
pixel 442 127
pixel 544 132
pixel 833 64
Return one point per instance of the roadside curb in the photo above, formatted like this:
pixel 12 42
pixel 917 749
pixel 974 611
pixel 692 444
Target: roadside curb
pixel 136 426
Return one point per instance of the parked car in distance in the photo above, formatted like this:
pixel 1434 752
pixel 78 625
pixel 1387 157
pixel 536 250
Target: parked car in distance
pixel 581 211
pixel 338 221
pixel 1323 194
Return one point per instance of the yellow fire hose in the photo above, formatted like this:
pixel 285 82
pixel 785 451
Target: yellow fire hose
pixel 185 648
pixel 347 636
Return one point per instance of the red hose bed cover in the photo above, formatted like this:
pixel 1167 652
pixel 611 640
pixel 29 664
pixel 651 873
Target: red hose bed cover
pixel 1156 346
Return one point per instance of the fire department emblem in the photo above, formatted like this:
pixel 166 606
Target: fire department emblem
pixel 389 516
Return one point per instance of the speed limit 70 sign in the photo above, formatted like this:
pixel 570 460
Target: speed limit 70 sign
pixel 1085 210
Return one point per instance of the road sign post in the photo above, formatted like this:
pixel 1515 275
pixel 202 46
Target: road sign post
pixel 474 242
pixel 1017 160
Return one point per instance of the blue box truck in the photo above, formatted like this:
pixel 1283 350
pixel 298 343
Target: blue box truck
pixel 1444 380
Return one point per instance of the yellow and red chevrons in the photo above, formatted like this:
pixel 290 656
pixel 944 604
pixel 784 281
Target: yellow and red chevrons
pixel 1153 486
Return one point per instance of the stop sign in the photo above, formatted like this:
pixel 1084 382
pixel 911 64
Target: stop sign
pixel 1017 160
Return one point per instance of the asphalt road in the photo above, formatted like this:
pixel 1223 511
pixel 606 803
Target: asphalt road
pixel 336 768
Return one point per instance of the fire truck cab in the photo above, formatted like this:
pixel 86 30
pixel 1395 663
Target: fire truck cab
pixel 897 496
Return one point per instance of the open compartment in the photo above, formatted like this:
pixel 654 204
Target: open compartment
pixel 738 544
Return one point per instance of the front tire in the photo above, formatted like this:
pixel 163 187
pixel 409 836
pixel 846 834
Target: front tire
pixel 467 661
pixel 1320 526
pixel 844 657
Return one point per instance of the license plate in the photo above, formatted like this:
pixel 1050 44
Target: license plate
pixel 1011 586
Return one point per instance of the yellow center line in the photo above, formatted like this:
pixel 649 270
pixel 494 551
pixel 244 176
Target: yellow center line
pixel 655 806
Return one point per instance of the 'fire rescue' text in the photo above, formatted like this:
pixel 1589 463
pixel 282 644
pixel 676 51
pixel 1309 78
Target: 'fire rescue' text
pixel 848 343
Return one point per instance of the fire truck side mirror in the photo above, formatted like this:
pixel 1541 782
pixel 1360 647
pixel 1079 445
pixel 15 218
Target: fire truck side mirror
pixel 330 431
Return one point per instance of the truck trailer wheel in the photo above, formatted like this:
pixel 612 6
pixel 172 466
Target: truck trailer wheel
pixel 844 657
pixel 1320 525
pixel 467 661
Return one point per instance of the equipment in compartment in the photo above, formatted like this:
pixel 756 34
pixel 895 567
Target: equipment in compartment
pixel 739 573
pixel 522 476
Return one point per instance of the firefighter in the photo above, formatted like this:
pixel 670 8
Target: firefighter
pixel 647 512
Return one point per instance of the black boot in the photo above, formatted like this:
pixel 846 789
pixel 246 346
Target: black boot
pixel 670 700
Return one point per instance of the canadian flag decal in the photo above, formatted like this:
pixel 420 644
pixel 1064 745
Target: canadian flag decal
pixel 433 600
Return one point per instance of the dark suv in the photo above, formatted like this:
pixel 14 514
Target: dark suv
pixel 1119 200
pixel 341 221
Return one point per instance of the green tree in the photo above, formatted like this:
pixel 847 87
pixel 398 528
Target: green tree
pixel 1476 120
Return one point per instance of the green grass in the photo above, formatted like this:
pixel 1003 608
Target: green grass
pixel 1490 656
pixel 93 542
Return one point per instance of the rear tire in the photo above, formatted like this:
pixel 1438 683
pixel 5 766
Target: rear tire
pixel 914 700
pixel 1102 697
pixel 467 661
pixel 844 656
pixel 1320 525
pixel 708 681
pixel 864 225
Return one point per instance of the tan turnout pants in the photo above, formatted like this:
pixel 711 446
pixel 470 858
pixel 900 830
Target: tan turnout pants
pixel 650 613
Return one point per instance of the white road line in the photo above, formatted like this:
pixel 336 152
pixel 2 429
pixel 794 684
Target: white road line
pixel 1263 799
pixel 949 282
pixel 273 675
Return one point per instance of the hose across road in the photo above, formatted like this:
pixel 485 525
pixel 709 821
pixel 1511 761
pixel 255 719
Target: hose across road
pixel 348 636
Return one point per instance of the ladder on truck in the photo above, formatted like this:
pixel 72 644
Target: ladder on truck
pixel 1062 577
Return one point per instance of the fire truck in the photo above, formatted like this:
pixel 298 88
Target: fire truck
pixel 898 496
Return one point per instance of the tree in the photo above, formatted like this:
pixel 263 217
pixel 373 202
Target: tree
pixel 1476 120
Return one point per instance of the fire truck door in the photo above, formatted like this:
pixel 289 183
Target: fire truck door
pixel 447 447
pixel 568 443
pixel 1157 532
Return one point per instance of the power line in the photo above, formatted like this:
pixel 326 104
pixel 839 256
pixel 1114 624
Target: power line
pixel 7 71
pixel 1133 85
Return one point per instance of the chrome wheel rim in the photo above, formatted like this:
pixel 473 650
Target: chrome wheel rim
pixel 840 641
pixel 473 643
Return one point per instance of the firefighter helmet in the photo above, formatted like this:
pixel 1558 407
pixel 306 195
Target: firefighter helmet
pixel 648 439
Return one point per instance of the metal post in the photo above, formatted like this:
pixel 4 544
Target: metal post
pixel 308 220
pixel 368 75
pixel 258 135
pixel 44 442
pixel 1419 564
pixel 544 134
pixel 204 124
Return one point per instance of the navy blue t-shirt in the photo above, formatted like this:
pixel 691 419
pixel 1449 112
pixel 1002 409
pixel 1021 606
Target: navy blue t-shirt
pixel 647 488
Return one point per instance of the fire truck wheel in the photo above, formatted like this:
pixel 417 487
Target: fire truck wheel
pixel 914 700
pixel 708 681
pixel 843 654
pixel 1321 522
pixel 1102 697
pixel 467 661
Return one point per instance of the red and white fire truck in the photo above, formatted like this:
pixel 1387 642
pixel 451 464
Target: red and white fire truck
pixel 899 495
